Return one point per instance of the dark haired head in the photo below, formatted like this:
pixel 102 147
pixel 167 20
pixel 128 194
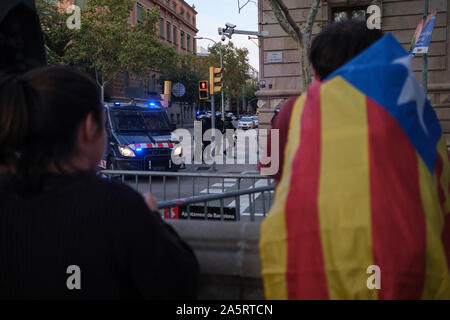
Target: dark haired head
pixel 40 113
pixel 338 43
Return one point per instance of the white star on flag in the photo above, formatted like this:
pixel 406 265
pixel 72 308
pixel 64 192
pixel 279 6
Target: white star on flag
pixel 412 91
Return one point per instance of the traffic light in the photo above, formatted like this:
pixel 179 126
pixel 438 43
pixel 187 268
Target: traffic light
pixel 203 90
pixel 215 79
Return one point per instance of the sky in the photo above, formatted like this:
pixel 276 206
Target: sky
pixel 213 14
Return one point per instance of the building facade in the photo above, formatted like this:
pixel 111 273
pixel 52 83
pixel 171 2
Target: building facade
pixel 279 67
pixel 177 27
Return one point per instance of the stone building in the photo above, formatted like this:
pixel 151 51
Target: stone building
pixel 177 27
pixel 279 67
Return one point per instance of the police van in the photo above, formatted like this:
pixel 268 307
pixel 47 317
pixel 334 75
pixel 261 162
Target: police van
pixel 139 137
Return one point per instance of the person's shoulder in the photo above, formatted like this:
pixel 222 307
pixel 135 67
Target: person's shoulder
pixel 119 199
pixel 110 188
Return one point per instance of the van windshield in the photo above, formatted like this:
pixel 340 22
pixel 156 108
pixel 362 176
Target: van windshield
pixel 139 121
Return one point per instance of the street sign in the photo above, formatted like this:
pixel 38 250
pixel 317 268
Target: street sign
pixel 178 90
pixel 172 214
pixel 213 213
pixel 262 84
pixel 422 37
pixel 274 57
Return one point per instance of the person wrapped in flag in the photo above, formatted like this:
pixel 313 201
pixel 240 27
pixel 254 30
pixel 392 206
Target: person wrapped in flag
pixel 361 207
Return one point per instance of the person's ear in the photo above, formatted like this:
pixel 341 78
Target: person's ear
pixel 91 128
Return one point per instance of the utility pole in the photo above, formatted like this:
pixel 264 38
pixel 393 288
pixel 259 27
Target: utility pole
pixel 213 127
pixel 221 66
pixel 228 31
pixel 425 54
pixel 215 78
pixel 243 98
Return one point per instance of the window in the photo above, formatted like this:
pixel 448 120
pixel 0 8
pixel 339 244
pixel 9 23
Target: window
pixel 161 27
pixel 168 3
pixel 188 41
pixel 188 18
pixel 168 31
pixel 174 6
pixel 139 9
pixel 344 13
pixel 175 35
pixel 182 39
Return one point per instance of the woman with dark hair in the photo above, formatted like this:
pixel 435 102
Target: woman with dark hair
pixel 64 232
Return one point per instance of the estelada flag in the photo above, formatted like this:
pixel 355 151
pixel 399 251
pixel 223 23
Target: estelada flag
pixel 362 208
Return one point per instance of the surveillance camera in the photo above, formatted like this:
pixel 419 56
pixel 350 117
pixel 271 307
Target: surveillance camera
pixel 230 25
pixel 223 38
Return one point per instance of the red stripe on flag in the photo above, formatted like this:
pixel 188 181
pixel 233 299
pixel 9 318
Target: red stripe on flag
pixel 398 220
pixel 305 273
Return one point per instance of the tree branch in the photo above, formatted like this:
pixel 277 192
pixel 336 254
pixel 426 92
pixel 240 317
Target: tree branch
pixel 312 17
pixel 282 20
pixel 289 19
pixel 239 4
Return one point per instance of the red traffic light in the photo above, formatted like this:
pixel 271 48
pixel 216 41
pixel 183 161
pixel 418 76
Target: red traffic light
pixel 203 89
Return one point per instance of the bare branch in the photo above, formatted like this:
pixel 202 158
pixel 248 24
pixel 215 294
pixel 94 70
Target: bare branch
pixel 282 20
pixel 312 17
pixel 239 4
pixel 289 18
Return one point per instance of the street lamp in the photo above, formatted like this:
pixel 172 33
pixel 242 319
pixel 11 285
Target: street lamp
pixel 221 66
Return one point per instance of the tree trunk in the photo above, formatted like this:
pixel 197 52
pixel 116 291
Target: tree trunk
pixel 302 38
pixel 305 70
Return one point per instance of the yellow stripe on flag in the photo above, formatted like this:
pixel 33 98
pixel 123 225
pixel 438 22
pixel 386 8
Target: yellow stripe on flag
pixel 344 191
pixel 437 278
pixel 273 243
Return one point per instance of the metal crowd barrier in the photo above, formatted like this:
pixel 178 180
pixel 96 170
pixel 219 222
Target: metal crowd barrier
pixel 188 202
pixel 248 187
